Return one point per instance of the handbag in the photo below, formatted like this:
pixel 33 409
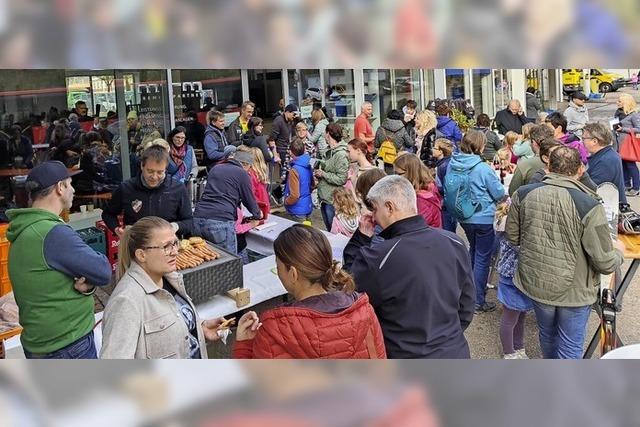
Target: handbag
pixel 630 148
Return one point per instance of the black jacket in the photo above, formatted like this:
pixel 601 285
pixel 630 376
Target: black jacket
pixel 420 283
pixel 228 185
pixel 169 201
pixel 505 121
pixel 281 132
pixel 258 141
pixel 234 132
pixel 426 155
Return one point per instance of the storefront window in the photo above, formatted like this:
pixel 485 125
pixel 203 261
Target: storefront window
pixel 455 83
pixel 482 91
pixel 406 87
pixel 305 88
pixel 429 86
pixel 502 88
pixel 340 98
pixel 377 90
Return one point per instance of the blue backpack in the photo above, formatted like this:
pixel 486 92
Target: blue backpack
pixel 458 197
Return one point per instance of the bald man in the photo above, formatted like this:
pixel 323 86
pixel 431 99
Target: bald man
pixel 511 118
pixel 362 129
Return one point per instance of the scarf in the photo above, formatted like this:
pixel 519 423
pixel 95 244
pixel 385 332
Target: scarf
pixel 178 155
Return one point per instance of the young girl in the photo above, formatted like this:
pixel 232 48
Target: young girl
pixel 504 167
pixel 346 219
pixel 360 160
pixel 510 139
pixel 259 174
pixel 428 197
pixel 522 147
pixel 515 303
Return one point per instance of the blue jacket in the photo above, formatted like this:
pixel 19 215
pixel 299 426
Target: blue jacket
pixel 174 172
pixel 214 142
pixel 304 205
pixel 449 129
pixel 606 166
pixel 485 186
pixel 441 171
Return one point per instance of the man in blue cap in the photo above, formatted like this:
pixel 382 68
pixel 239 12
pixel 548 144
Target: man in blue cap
pixel 53 271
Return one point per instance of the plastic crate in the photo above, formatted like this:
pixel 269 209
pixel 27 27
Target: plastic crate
pixel 112 241
pixel 5 286
pixel 94 237
pixel 212 278
pixel 4 249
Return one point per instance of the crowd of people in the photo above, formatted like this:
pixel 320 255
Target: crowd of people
pixel 522 190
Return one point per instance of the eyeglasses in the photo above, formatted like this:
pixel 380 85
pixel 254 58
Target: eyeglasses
pixel 168 249
pixel 400 172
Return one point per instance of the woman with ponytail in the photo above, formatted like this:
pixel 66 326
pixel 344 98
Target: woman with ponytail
pixel 149 315
pixel 326 320
pixel 360 160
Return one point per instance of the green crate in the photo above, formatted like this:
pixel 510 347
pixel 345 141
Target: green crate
pixel 94 238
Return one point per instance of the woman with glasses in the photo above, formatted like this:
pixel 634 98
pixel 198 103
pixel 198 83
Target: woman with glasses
pixel 149 315
pixel 182 157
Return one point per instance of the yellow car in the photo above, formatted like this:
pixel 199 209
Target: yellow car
pixel 601 80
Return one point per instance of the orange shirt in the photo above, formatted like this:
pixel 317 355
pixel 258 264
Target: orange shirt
pixel 362 125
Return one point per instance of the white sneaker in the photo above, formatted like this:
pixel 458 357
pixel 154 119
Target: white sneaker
pixel 511 356
pixel 521 354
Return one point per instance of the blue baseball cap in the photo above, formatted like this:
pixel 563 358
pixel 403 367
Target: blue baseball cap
pixel 49 173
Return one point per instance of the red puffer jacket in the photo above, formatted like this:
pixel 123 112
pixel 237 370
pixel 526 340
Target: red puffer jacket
pixel 430 205
pixel 305 333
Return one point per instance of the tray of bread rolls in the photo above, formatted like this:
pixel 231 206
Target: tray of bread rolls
pixel 207 269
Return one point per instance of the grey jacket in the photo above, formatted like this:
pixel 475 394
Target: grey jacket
pixel 395 131
pixel 141 321
pixel 576 117
pixel 318 138
pixel 564 240
pixel 533 106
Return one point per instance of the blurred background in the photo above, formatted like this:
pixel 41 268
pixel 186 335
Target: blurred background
pixel 318 33
pixel 310 34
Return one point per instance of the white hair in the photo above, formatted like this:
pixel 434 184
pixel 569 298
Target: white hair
pixel 365 104
pixel 397 190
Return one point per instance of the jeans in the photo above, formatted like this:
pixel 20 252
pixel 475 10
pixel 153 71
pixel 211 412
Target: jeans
pixel 83 348
pixel 561 330
pixel 631 175
pixel 222 233
pixel 328 212
pixel 481 238
pixel 449 223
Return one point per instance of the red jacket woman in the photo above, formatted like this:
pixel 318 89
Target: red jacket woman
pixel 429 201
pixel 328 318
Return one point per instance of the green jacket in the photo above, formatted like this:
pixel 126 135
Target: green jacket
pixel 44 257
pixel 525 170
pixel 565 244
pixel 336 169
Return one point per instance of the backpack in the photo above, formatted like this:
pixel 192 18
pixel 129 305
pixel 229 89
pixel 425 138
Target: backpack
pixel 458 199
pixel 387 151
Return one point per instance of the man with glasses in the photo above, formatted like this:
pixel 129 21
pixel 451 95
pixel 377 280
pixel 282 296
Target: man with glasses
pixel 150 193
pixel 53 272
pixel 604 163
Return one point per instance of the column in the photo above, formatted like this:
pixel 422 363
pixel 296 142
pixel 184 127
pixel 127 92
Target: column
pixel 440 83
pixel 518 85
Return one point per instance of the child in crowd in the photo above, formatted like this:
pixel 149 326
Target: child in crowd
pixel 515 303
pixel 504 168
pixel 428 198
pixel 442 151
pixel 522 147
pixel 509 142
pixel 346 220
pixel 259 173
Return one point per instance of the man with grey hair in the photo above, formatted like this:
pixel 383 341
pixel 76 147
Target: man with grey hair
pixel 419 279
pixel 362 129
pixel 511 118
pixel 604 163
